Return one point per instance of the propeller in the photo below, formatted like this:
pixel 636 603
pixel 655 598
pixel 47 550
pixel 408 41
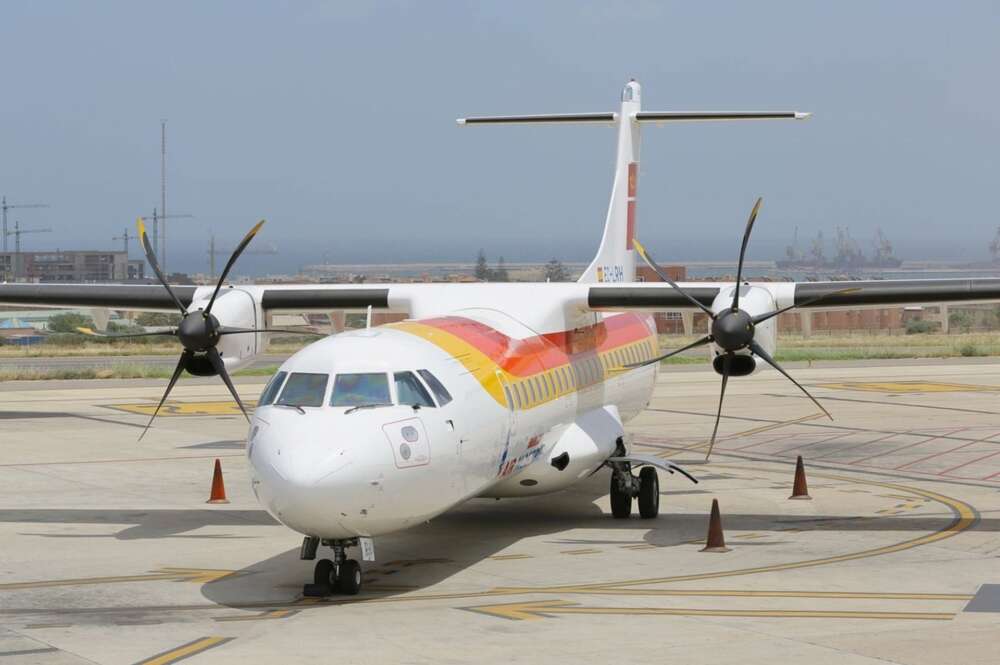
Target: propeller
pixel 199 331
pixel 732 329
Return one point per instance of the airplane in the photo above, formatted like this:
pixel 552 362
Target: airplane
pixel 486 389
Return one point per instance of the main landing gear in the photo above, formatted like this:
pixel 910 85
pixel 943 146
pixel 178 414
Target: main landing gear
pixel 625 486
pixel 340 574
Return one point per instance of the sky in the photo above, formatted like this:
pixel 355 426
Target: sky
pixel 335 122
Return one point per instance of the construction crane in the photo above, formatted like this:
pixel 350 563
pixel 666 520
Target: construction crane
pixel 125 237
pixel 212 251
pixel 160 235
pixel 5 207
pixel 17 233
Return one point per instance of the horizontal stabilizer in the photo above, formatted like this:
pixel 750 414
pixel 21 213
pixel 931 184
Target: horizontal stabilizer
pixel 579 118
pixel 681 116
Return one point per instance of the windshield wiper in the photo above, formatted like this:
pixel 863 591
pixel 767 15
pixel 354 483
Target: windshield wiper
pixel 365 406
pixel 297 407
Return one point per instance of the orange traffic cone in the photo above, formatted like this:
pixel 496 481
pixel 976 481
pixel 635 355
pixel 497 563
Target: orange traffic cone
pixel 715 542
pixel 800 490
pixel 218 487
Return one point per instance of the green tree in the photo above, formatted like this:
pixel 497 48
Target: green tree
pixel 555 271
pixel 500 274
pixel 154 319
pixel 482 269
pixel 69 322
pixel 961 319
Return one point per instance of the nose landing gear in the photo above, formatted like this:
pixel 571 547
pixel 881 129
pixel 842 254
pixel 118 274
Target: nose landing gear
pixel 341 574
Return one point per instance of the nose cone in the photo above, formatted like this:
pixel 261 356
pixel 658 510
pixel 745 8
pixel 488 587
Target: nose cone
pixel 324 474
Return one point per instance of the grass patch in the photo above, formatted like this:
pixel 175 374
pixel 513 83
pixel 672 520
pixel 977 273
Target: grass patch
pixel 122 371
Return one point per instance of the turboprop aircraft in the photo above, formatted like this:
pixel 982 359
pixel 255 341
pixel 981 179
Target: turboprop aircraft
pixel 486 390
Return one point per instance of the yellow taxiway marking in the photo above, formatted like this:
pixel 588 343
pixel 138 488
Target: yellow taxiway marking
pixel 589 550
pixel 910 387
pixel 185 651
pixel 540 609
pixel 215 408
pixel 509 557
pixel 196 575
pixel 741 593
pixel 965 517
pixel 272 614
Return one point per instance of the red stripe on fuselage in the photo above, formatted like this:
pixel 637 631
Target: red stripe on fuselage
pixel 525 357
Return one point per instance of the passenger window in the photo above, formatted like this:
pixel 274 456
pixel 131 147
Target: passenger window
pixel 442 394
pixel 303 389
pixel 272 388
pixel 360 389
pixel 522 395
pixel 531 387
pixel 559 383
pixel 410 391
pixel 517 395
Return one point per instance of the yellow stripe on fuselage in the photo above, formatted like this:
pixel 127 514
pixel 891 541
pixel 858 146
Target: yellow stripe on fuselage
pixel 530 391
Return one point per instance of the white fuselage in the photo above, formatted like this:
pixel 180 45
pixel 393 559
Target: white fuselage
pixel 518 401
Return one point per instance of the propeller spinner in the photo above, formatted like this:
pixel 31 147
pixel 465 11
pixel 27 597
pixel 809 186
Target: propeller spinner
pixel 732 329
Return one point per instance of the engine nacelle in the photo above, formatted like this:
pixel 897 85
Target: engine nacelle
pixel 754 301
pixel 237 309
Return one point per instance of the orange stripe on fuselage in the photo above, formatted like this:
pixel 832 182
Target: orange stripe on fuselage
pixel 544 367
pixel 525 357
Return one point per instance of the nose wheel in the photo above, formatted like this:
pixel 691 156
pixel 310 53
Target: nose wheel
pixel 339 575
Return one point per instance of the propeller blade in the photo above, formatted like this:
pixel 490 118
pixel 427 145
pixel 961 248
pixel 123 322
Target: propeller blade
pixel 232 260
pixel 652 264
pixel 743 251
pixel 147 247
pixel 94 333
pixel 760 318
pixel 701 342
pixel 170 386
pixel 756 348
pixel 220 367
pixel 226 330
pixel 726 363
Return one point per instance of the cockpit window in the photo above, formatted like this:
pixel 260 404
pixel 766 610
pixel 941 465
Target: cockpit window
pixel 410 391
pixel 440 392
pixel 272 388
pixel 304 389
pixel 360 390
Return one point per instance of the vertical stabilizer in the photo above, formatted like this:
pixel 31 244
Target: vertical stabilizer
pixel 615 260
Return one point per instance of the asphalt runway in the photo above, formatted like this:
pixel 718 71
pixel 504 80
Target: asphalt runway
pixel 111 555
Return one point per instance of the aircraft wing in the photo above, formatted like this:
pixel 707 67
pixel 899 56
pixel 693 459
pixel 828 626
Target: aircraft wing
pixel 154 298
pixel 434 299
pixel 835 295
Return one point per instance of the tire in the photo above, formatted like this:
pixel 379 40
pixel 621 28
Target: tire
pixel 323 573
pixel 649 493
pixel 621 502
pixel 349 580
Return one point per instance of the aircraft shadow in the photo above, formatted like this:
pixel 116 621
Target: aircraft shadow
pixel 166 523
pixel 431 553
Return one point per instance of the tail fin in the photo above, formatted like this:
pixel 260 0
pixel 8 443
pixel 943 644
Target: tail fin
pixel 616 259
